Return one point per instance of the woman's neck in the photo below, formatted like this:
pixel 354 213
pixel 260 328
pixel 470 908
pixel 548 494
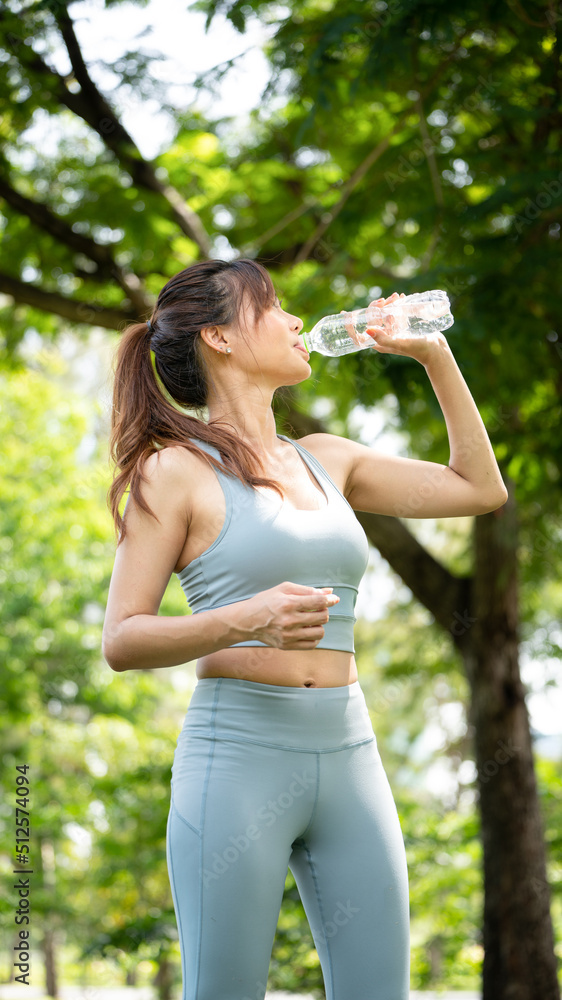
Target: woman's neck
pixel 250 416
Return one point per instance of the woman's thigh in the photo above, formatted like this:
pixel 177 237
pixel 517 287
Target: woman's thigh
pixel 350 869
pixel 236 810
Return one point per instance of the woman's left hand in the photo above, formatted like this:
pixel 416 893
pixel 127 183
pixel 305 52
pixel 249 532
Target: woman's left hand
pixel 393 336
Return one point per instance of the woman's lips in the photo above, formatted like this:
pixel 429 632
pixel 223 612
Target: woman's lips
pixel 299 347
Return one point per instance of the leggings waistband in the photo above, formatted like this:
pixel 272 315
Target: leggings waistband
pixel 291 718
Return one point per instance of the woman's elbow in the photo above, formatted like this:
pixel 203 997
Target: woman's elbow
pixel 112 651
pixel 494 500
pixel 504 495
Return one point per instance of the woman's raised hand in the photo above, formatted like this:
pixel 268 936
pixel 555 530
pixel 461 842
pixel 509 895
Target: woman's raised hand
pixel 393 337
pixel 289 616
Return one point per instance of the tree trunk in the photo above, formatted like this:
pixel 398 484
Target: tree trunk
pixel 481 615
pixel 519 960
pixel 49 955
pixel 47 863
pixel 164 977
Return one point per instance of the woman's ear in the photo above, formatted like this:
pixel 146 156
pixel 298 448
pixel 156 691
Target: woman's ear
pixel 214 337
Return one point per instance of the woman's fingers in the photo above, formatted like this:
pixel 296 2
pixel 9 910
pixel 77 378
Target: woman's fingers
pixel 292 616
pixel 382 302
pixel 315 603
pixel 309 598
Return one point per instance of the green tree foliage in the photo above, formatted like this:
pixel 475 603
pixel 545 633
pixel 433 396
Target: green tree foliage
pixel 88 740
pixel 56 552
pixel 416 147
pixel 100 745
pixel 410 145
pixel 432 135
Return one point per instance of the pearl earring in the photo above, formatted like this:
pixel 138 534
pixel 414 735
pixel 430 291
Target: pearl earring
pixel 228 350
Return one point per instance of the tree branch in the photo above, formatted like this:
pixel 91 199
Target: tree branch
pixel 351 183
pixel 71 309
pixel 104 120
pixel 292 216
pixel 42 216
pixel 360 171
pixel 310 202
pixel 516 6
pixel 429 151
pixel 94 109
pixel 446 596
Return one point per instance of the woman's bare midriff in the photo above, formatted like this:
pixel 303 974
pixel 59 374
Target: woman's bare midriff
pixel 288 667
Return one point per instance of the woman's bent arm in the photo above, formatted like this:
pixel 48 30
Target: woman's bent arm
pixel 406 487
pixel 471 453
pixel 143 642
pixel 288 616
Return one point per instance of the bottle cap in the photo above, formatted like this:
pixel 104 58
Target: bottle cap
pixel 303 335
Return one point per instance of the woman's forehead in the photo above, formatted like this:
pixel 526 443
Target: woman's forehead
pixel 255 304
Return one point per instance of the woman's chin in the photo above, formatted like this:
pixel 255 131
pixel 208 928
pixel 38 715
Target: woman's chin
pixel 296 379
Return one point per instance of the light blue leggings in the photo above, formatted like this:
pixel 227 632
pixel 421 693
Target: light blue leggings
pixel 267 777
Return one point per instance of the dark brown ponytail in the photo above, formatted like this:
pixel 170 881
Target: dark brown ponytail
pixel 143 419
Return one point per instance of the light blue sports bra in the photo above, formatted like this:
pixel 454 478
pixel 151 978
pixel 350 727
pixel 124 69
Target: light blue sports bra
pixel 265 541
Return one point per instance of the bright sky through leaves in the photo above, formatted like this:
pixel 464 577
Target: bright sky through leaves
pixel 171 28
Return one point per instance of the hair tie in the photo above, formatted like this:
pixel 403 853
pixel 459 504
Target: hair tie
pixel 150 326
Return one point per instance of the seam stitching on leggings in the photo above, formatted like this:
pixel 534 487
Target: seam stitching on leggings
pixel 182 818
pixel 202 826
pixel 277 746
pixel 309 824
pixel 176 899
pixel 321 911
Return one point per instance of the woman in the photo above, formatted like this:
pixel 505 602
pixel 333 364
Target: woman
pixel 277 763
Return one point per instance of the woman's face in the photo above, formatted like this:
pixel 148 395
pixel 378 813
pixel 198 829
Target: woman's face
pixel 271 348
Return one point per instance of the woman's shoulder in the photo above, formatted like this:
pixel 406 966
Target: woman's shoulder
pixel 169 465
pixel 333 453
pixel 325 446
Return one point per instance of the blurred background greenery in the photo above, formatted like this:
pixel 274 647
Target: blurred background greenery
pixel 397 146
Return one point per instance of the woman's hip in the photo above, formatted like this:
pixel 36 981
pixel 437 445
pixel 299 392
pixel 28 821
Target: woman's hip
pixel 318 719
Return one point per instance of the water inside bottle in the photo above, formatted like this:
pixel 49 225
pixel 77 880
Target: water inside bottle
pixel 430 317
pixel 341 336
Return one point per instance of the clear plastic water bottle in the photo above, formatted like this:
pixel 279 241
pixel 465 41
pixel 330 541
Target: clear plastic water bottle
pixel 344 333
